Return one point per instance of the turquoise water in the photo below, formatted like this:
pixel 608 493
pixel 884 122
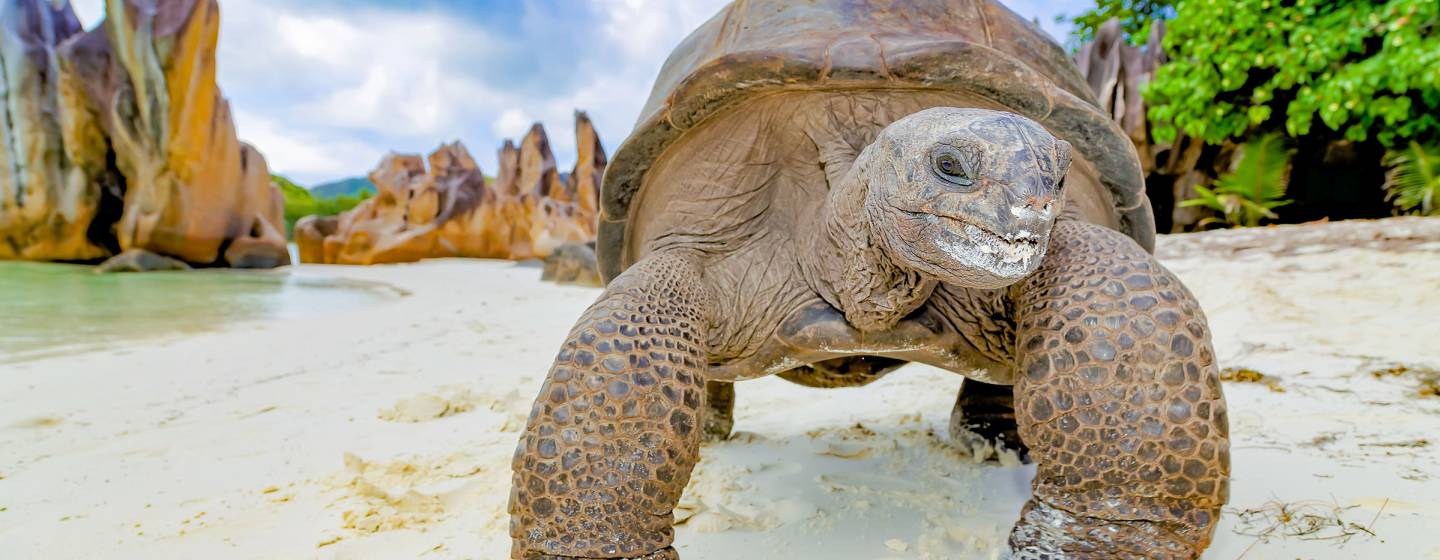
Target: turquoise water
pixel 49 309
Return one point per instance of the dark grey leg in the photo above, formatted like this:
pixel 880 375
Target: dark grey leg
pixel 717 419
pixel 985 414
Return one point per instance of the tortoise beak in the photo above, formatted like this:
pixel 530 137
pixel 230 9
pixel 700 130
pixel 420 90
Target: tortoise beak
pixel 1010 255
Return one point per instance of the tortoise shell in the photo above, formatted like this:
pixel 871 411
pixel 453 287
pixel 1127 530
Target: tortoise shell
pixel 899 48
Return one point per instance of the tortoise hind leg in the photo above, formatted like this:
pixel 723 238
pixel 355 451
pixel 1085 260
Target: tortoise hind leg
pixel 1118 395
pixel 983 421
pixel 718 417
pixel 614 433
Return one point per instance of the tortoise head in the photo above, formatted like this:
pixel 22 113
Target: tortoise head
pixel 967 196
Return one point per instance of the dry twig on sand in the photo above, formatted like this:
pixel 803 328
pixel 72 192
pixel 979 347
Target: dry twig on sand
pixel 1309 521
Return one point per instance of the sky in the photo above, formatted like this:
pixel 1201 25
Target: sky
pixel 325 88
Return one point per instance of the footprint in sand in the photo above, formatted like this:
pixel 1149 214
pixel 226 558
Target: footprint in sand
pixel 449 401
pixel 413 492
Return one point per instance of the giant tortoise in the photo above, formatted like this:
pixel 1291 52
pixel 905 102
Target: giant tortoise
pixel 828 189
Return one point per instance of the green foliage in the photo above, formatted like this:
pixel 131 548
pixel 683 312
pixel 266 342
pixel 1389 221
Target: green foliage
pixel 1135 17
pixel 352 186
pixel 1363 69
pixel 289 189
pixel 1413 183
pixel 1254 189
pixel 300 202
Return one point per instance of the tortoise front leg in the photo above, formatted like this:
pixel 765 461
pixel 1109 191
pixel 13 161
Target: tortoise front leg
pixel 1119 400
pixel 615 432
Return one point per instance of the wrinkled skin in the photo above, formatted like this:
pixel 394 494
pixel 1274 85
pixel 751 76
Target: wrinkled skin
pixel 942 239
pixel 984 222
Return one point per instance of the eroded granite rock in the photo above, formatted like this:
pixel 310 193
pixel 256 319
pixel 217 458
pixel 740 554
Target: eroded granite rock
pixel 140 260
pixel 48 199
pixel 124 141
pixel 444 207
pixel 573 264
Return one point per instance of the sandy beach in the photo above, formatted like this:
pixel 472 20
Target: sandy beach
pixel 386 430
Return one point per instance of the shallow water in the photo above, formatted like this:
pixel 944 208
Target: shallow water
pixel 48 309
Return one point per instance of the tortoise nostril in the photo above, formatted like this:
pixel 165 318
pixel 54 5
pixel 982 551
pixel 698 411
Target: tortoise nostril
pixel 1039 201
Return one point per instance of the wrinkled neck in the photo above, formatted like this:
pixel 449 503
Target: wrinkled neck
pixel 850 269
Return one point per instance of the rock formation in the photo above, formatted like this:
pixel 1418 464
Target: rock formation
pixel 573 264
pixel 447 209
pixel 47 201
pixel 118 139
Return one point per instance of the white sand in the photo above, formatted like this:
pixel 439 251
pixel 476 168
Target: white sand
pixel 387 432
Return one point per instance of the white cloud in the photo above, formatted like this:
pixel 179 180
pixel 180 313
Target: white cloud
pixel 645 28
pixel 325 87
pixel 382 70
pixel 513 123
pixel 305 153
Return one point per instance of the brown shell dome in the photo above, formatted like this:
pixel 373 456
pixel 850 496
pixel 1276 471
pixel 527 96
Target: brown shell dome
pixel 754 47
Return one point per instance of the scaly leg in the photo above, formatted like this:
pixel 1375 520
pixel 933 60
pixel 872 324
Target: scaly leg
pixel 983 420
pixel 615 431
pixel 1119 399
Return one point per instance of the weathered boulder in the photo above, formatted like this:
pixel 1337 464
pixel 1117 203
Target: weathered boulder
pixel 584 179
pixel 47 200
pixel 448 209
pixel 573 264
pixel 140 260
pixel 310 234
pixel 139 150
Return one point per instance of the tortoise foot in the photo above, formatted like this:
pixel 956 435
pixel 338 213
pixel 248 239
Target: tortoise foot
pixel 667 553
pixel 982 425
pixel 1047 532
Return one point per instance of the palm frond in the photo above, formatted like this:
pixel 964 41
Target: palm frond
pixel 1260 175
pixel 1206 198
pixel 1413 181
pixel 1254 188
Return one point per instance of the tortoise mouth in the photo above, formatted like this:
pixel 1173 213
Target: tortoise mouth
pixel 979 248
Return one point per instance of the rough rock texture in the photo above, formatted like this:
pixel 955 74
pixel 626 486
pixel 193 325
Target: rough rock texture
pixel 123 140
pixel 573 264
pixel 310 234
pixel 140 260
pixel 449 210
pixel 47 201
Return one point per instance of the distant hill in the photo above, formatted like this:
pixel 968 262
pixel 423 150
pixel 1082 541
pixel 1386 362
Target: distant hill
pixel 300 202
pixel 344 187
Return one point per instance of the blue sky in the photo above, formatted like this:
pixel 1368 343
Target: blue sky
pixel 324 88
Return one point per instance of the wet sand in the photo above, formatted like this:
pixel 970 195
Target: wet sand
pixel 386 431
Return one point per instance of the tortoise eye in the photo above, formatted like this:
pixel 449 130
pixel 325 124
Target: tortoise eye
pixel 948 167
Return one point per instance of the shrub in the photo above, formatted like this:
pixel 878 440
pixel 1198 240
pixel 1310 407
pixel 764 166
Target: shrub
pixel 300 202
pixel 1363 69
pixel 1135 17
pixel 1253 190
pixel 1413 182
